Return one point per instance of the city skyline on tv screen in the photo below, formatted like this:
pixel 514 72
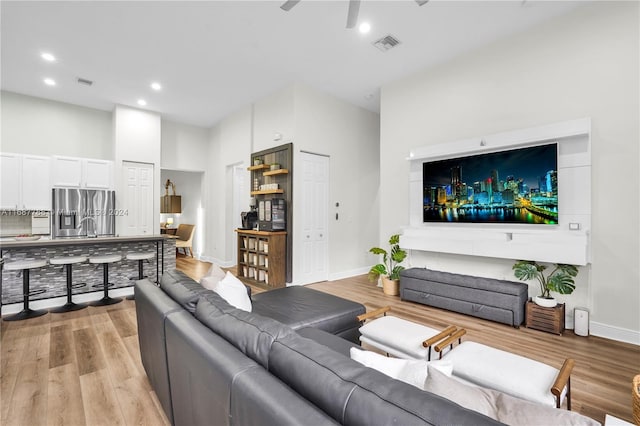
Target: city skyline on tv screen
pixel 515 186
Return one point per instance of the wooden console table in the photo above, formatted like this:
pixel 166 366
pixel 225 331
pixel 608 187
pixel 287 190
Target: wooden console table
pixel 550 320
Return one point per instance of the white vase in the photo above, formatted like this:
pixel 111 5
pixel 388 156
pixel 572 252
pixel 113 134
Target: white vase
pixel 544 302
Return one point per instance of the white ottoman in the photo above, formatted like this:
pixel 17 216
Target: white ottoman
pixel 510 373
pixel 399 337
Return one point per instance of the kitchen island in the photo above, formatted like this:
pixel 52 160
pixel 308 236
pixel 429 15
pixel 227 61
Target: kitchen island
pixel 50 281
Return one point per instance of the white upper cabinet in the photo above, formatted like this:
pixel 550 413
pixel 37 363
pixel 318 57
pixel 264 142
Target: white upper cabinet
pixel 25 182
pixel 67 172
pixel 73 172
pixel 36 187
pixel 97 174
pixel 10 174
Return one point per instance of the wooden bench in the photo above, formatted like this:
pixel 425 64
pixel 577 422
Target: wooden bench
pixel 473 362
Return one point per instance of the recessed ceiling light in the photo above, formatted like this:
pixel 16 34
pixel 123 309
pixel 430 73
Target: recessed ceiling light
pixel 48 57
pixel 156 86
pixel 364 27
pixel 142 102
pixel 49 82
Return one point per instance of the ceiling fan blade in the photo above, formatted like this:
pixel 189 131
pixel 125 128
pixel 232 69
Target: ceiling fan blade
pixel 287 5
pixel 352 16
pixel 422 2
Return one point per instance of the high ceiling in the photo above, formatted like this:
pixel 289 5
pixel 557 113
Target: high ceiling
pixel 214 57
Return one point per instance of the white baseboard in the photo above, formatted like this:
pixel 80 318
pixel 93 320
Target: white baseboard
pixel 614 333
pixel 348 274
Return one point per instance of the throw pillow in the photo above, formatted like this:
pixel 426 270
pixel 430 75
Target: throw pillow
pixel 411 371
pixel 500 406
pixel 234 292
pixel 212 277
pixel 473 398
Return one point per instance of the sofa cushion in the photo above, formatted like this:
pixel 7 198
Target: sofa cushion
pixel 331 341
pixel 300 307
pixel 182 289
pixel 467 281
pixel 500 406
pixel 250 333
pixel 212 277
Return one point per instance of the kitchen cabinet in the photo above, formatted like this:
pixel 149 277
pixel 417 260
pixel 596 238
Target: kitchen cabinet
pixel 10 172
pixel 97 174
pixel 73 172
pixel 36 186
pixel 25 182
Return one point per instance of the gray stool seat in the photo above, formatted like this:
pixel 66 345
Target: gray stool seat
pixel 105 260
pixel 140 256
pixel 25 265
pixel 68 261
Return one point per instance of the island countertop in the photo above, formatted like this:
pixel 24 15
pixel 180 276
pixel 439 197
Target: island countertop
pixel 11 243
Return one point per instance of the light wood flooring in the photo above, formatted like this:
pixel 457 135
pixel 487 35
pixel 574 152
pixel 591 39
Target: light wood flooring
pixel 84 367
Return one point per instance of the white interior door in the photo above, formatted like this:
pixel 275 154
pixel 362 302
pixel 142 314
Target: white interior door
pixel 315 218
pixel 138 198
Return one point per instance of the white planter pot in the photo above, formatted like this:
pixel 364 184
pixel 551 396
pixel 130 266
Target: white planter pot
pixel 546 303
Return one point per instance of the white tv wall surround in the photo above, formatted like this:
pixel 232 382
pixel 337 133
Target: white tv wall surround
pixel 561 243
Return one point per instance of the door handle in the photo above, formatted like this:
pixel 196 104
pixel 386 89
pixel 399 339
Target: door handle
pixel 320 235
pixel 308 236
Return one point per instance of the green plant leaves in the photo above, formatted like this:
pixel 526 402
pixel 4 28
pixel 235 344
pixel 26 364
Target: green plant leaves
pixel 560 280
pixel 390 260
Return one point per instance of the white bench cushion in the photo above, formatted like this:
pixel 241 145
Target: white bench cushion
pixel 503 371
pixel 398 337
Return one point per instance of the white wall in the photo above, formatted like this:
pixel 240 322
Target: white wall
pixel 350 136
pixel 229 144
pixel 39 126
pixel 136 138
pixel 317 123
pixel 184 147
pixel 584 64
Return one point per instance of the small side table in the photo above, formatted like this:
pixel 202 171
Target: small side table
pixel 170 231
pixel 550 320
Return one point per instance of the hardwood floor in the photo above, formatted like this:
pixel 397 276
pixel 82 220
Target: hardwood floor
pixel 84 367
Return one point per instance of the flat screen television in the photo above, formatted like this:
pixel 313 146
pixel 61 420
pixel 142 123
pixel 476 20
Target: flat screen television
pixel 509 187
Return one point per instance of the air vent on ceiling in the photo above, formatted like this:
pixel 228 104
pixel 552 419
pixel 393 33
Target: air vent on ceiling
pixel 84 81
pixel 386 43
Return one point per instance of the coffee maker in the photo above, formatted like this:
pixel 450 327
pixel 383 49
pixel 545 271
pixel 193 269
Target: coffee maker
pixel 249 219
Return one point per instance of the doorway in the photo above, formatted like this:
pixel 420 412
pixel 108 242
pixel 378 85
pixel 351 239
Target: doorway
pixel 314 220
pixel 238 179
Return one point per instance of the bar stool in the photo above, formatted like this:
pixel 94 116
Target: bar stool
pixel 140 257
pixel 25 266
pixel 105 260
pixel 68 261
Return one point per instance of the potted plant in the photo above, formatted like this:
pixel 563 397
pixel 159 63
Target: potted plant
pixel 559 280
pixel 389 269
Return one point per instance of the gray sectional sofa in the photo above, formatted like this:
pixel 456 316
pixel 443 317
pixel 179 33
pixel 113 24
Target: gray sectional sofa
pixel 497 300
pixel 212 364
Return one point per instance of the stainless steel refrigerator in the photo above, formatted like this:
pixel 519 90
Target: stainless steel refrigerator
pixel 83 213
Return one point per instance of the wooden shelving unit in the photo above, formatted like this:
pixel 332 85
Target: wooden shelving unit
pixel 268 191
pixel 550 320
pixel 272 205
pixel 258 167
pixel 276 172
pixel 262 258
